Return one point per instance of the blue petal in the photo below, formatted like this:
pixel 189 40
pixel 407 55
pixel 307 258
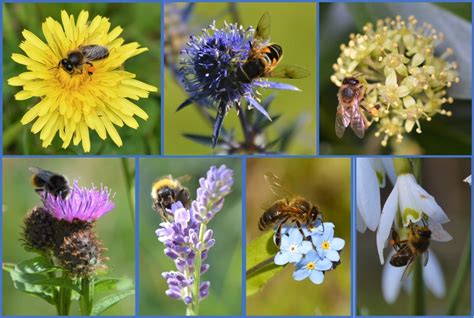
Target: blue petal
pixel 306 246
pixel 301 273
pixel 337 244
pixel 316 277
pixel 328 234
pixel 333 256
pixel 275 85
pixel 295 257
pixel 295 236
pixel 324 265
pixel 281 258
pixel 285 243
pixel 257 106
pixel 317 240
pixel 321 251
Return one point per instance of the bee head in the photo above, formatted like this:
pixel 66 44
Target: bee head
pixel 423 232
pixel 350 81
pixel 67 66
pixel 315 214
pixel 167 197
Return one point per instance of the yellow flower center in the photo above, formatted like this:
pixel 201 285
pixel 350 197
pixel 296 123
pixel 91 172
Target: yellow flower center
pixel 325 245
pixel 310 265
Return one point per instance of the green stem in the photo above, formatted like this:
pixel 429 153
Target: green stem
pixel 460 280
pixel 418 300
pixel 402 166
pixel 245 127
pixel 197 271
pixel 259 266
pixel 129 175
pixel 64 299
pixel 87 295
pixel 190 306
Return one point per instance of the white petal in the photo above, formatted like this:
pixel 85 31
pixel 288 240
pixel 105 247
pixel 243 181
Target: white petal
pixel 430 206
pixel 433 276
pixel 410 204
pixel 390 169
pixel 379 169
pixel 389 212
pixel 391 283
pixel 360 224
pixel 368 193
pixel 468 180
pixel 438 233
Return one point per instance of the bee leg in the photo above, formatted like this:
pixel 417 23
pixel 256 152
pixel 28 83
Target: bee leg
pixel 300 227
pixel 278 234
pixel 183 197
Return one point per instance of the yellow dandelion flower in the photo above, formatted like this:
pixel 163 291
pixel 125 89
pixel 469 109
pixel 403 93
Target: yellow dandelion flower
pixel 97 96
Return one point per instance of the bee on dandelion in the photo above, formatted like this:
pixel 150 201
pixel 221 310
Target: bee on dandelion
pixel 77 81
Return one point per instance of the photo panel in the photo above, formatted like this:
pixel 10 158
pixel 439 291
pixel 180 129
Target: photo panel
pixel 226 91
pixel 61 252
pixel 298 237
pixel 395 78
pixel 190 214
pixel 414 236
pixel 81 78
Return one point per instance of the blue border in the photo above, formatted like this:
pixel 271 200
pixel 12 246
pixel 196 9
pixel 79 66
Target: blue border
pixel 244 236
pixel 353 239
pixel 137 237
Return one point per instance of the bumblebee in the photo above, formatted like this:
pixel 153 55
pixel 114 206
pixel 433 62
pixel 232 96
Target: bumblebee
pixel 83 55
pixel 166 191
pixel 264 57
pixel 291 209
pixel 49 182
pixel 406 251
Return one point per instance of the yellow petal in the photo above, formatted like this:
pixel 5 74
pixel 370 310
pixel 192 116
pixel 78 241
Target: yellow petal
pixel 112 131
pixel 86 142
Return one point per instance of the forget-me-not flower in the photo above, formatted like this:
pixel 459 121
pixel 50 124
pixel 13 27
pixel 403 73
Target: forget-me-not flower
pixel 312 266
pixel 292 248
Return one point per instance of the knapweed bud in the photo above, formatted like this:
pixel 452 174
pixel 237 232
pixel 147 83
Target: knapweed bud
pixel 39 229
pixel 404 81
pixel 81 254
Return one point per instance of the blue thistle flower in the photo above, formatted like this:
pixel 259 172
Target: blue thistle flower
pixel 210 62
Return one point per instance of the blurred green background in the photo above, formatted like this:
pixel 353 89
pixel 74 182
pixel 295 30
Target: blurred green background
pixel 327 184
pixel 294 28
pixel 225 258
pixel 443 135
pixel 442 178
pixel 19 197
pixel 140 23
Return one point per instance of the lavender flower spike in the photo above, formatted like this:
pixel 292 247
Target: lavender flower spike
pixel 82 204
pixel 187 239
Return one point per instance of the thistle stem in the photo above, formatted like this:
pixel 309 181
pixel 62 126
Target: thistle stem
pixel 419 301
pixel 460 280
pixel 64 299
pixel 87 295
pixel 245 127
pixel 128 174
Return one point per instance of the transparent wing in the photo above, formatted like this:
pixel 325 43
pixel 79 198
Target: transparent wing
pixel 343 118
pixel 94 52
pixel 276 185
pixel 264 28
pixel 41 173
pixel 409 268
pixel 289 71
pixel 425 257
pixel 357 120
pixel 184 179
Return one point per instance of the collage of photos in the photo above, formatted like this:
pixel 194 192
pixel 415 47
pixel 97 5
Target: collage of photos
pixel 237 159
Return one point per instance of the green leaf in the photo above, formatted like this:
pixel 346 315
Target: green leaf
pixel 26 283
pixel 35 265
pixel 108 301
pixel 107 284
pixel 64 282
pixel 260 250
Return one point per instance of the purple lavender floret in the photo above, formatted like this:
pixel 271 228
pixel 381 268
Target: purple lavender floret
pixel 188 237
pixel 81 204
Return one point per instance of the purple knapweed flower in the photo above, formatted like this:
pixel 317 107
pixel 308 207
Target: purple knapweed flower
pixel 187 239
pixel 81 204
pixel 210 61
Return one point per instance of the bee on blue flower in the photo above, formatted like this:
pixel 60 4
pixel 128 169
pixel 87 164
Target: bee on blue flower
pixel 223 66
